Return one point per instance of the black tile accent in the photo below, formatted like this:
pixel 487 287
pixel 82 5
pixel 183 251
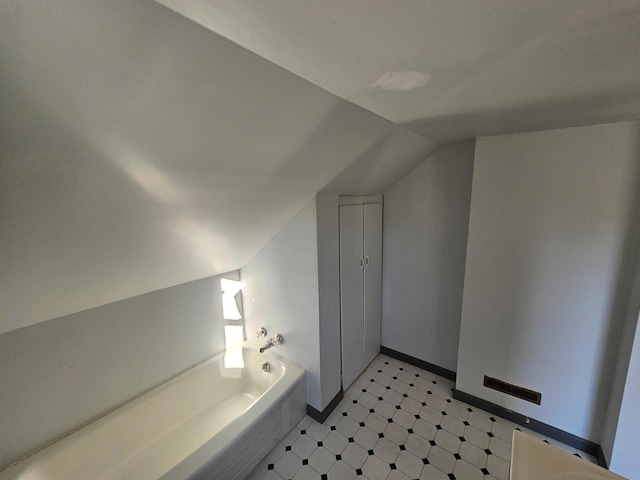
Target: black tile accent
pixel 425 461
pixel 411 385
pixel 416 374
pixel 432 442
pixel 434 382
pixel 466 424
pixel 372 380
pixel 424 404
pixel 389 420
pixel 417 416
pixel 288 448
pixel 364 390
pixel 370 452
pixel 362 424
pixel 405 395
pixel 324 476
pixel 387 363
pixel 380 398
pixel 305 461
pixel 577 455
pixel 395 378
pixel 545 441
pixel 416 362
pixel 462 439
pixel 490 434
pixel 452 476
pixel 468 409
pixel 344 414
pixel 492 419
pixel 438 427
pixel 379 371
pixel 457 455
pixel 303 432
pixel 485 471
pixel 429 392
pixel 333 427
pixel 388 388
pixel 410 430
pixel 351 439
pixel 338 457
pixel 320 443
pixel 444 414
pixel 371 410
pixel 487 451
pixel 448 400
pixel 402 447
pixel 358 471
pixel 320 417
pixel 270 466
pixel 550 431
pixel 381 435
pixel 397 407
pixel 354 401
pixel 392 466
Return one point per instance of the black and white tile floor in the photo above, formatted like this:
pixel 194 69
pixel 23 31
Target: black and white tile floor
pixel 397 422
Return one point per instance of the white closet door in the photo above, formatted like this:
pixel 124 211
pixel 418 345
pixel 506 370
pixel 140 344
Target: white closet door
pixel 352 293
pixel 372 279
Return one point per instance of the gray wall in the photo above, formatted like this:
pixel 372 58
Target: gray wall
pixel 426 215
pixel 282 295
pixel 60 374
pixel 548 269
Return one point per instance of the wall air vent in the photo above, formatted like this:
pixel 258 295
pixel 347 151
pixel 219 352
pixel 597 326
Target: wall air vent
pixel 516 391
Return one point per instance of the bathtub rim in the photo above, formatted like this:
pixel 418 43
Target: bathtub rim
pixel 292 372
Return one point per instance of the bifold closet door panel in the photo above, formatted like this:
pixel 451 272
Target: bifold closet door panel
pixel 372 278
pixel 352 292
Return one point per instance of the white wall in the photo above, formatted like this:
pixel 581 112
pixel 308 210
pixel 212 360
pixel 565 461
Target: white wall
pixel 426 215
pixel 60 374
pixel 329 295
pixel 547 270
pixel 282 295
pixel 624 459
pixel 141 151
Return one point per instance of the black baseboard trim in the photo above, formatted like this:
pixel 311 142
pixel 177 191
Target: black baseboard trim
pixel 321 416
pixel 544 429
pixel 416 362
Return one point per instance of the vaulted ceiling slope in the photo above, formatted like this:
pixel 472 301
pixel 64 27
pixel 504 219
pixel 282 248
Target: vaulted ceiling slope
pixel 139 150
pixel 451 70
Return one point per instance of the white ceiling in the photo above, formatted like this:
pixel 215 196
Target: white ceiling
pixel 492 66
pixel 139 150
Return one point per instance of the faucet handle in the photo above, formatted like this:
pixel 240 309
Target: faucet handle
pixel 262 332
pixel 278 340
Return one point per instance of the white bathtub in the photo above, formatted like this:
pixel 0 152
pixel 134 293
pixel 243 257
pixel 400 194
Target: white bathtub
pixel 199 425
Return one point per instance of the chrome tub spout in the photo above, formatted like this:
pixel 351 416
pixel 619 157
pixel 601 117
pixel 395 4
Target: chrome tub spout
pixel 277 340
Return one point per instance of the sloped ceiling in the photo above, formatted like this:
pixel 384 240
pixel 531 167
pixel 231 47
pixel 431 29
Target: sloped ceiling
pixel 139 150
pixel 451 70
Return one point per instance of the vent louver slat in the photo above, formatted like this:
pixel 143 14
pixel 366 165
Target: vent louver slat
pixel 514 390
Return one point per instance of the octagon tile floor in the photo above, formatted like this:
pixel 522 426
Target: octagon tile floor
pixel 397 422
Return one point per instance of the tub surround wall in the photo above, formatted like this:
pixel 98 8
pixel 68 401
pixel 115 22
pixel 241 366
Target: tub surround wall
pixel 426 216
pixel 282 295
pixel 60 374
pixel 547 272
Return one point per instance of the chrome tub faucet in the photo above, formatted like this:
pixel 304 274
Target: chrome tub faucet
pixel 277 340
